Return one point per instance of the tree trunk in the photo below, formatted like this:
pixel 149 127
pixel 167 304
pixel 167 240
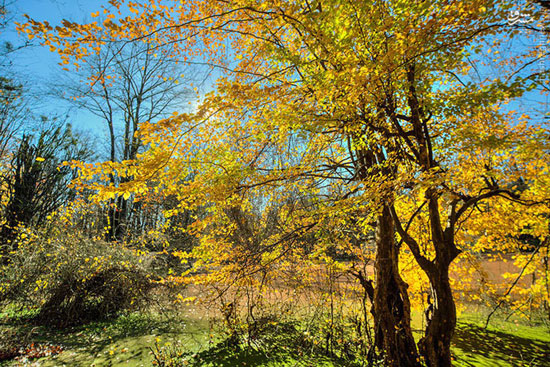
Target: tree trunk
pixel 435 346
pixel 117 219
pixel 392 321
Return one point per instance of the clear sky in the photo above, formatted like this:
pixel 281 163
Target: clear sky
pixel 38 61
pixel 36 67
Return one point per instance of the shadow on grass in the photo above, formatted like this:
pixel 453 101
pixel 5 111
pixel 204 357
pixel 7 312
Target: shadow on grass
pixel 224 355
pixel 271 344
pixel 487 347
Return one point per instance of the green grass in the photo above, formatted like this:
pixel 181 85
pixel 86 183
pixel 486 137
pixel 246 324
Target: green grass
pixel 125 341
pixel 502 344
pixel 222 355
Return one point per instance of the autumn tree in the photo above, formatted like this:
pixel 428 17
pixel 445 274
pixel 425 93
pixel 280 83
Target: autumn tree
pixel 371 110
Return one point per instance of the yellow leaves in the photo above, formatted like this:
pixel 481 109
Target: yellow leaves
pixel 133 9
pixel 185 300
pixel 40 159
pixel 285 117
pixel 95 15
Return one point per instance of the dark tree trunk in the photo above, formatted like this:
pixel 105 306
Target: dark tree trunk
pixel 435 346
pixel 392 321
pixel 117 219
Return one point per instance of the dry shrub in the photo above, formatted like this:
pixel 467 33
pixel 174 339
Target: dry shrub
pixel 73 279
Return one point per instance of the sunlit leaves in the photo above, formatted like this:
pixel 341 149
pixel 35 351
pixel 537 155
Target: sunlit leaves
pixel 313 120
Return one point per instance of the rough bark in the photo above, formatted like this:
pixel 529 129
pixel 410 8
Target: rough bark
pixel 393 334
pixel 435 346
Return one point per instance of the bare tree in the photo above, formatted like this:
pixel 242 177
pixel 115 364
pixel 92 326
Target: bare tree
pixel 13 113
pixel 125 85
pixel 14 109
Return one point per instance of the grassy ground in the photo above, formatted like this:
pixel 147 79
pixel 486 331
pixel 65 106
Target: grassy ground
pixel 126 341
pixel 502 344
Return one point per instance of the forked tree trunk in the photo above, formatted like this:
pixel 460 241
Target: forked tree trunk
pixel 435 346
pixel 392 320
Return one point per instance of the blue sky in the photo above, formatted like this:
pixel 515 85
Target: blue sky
pixel 36 60
pixel 36 67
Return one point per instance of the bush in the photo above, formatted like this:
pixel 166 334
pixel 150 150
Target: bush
pixel 74 279
pixel 169 355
